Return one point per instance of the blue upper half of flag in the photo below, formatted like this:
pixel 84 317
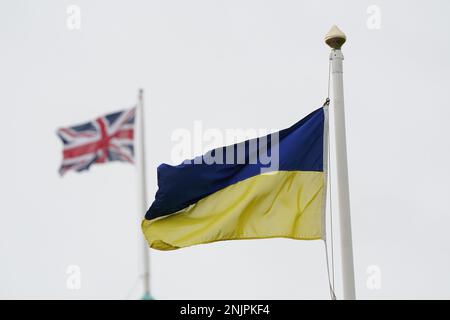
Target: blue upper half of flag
pixel 298 148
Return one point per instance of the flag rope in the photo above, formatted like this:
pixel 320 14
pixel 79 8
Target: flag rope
pixel 135 283
pixel 330 282
pixel 329 80
pixel 331 276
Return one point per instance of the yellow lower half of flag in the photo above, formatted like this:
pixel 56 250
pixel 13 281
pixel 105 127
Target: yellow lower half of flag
pixel 280 204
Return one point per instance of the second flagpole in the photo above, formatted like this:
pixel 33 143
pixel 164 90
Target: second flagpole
pixel 335 39
pixel 142 180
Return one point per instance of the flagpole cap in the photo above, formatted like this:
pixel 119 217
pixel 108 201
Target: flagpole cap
pixel 335 38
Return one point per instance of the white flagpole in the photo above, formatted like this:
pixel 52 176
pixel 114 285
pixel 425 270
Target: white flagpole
pixel 335 39
pixel 142 180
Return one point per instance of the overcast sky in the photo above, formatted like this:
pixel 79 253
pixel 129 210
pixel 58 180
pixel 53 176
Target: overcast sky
pixel 230 64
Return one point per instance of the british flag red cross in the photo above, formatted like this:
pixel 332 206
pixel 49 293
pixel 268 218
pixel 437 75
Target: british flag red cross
pixel 107 138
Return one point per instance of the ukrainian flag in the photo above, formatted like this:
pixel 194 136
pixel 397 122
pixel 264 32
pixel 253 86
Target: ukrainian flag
pixel 234 192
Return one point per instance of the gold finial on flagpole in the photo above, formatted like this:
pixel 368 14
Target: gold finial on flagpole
pixel 335 38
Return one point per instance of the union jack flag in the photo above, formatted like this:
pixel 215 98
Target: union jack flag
pixel 107 138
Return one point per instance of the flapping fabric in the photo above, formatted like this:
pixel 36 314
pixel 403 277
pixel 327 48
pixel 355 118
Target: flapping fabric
pixel 273 186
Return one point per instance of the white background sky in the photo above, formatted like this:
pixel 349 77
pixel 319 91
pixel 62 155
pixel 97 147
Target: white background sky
pixel 230 64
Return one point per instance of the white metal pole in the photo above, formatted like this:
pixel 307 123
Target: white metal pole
pixel 142 180
pixel 335 39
